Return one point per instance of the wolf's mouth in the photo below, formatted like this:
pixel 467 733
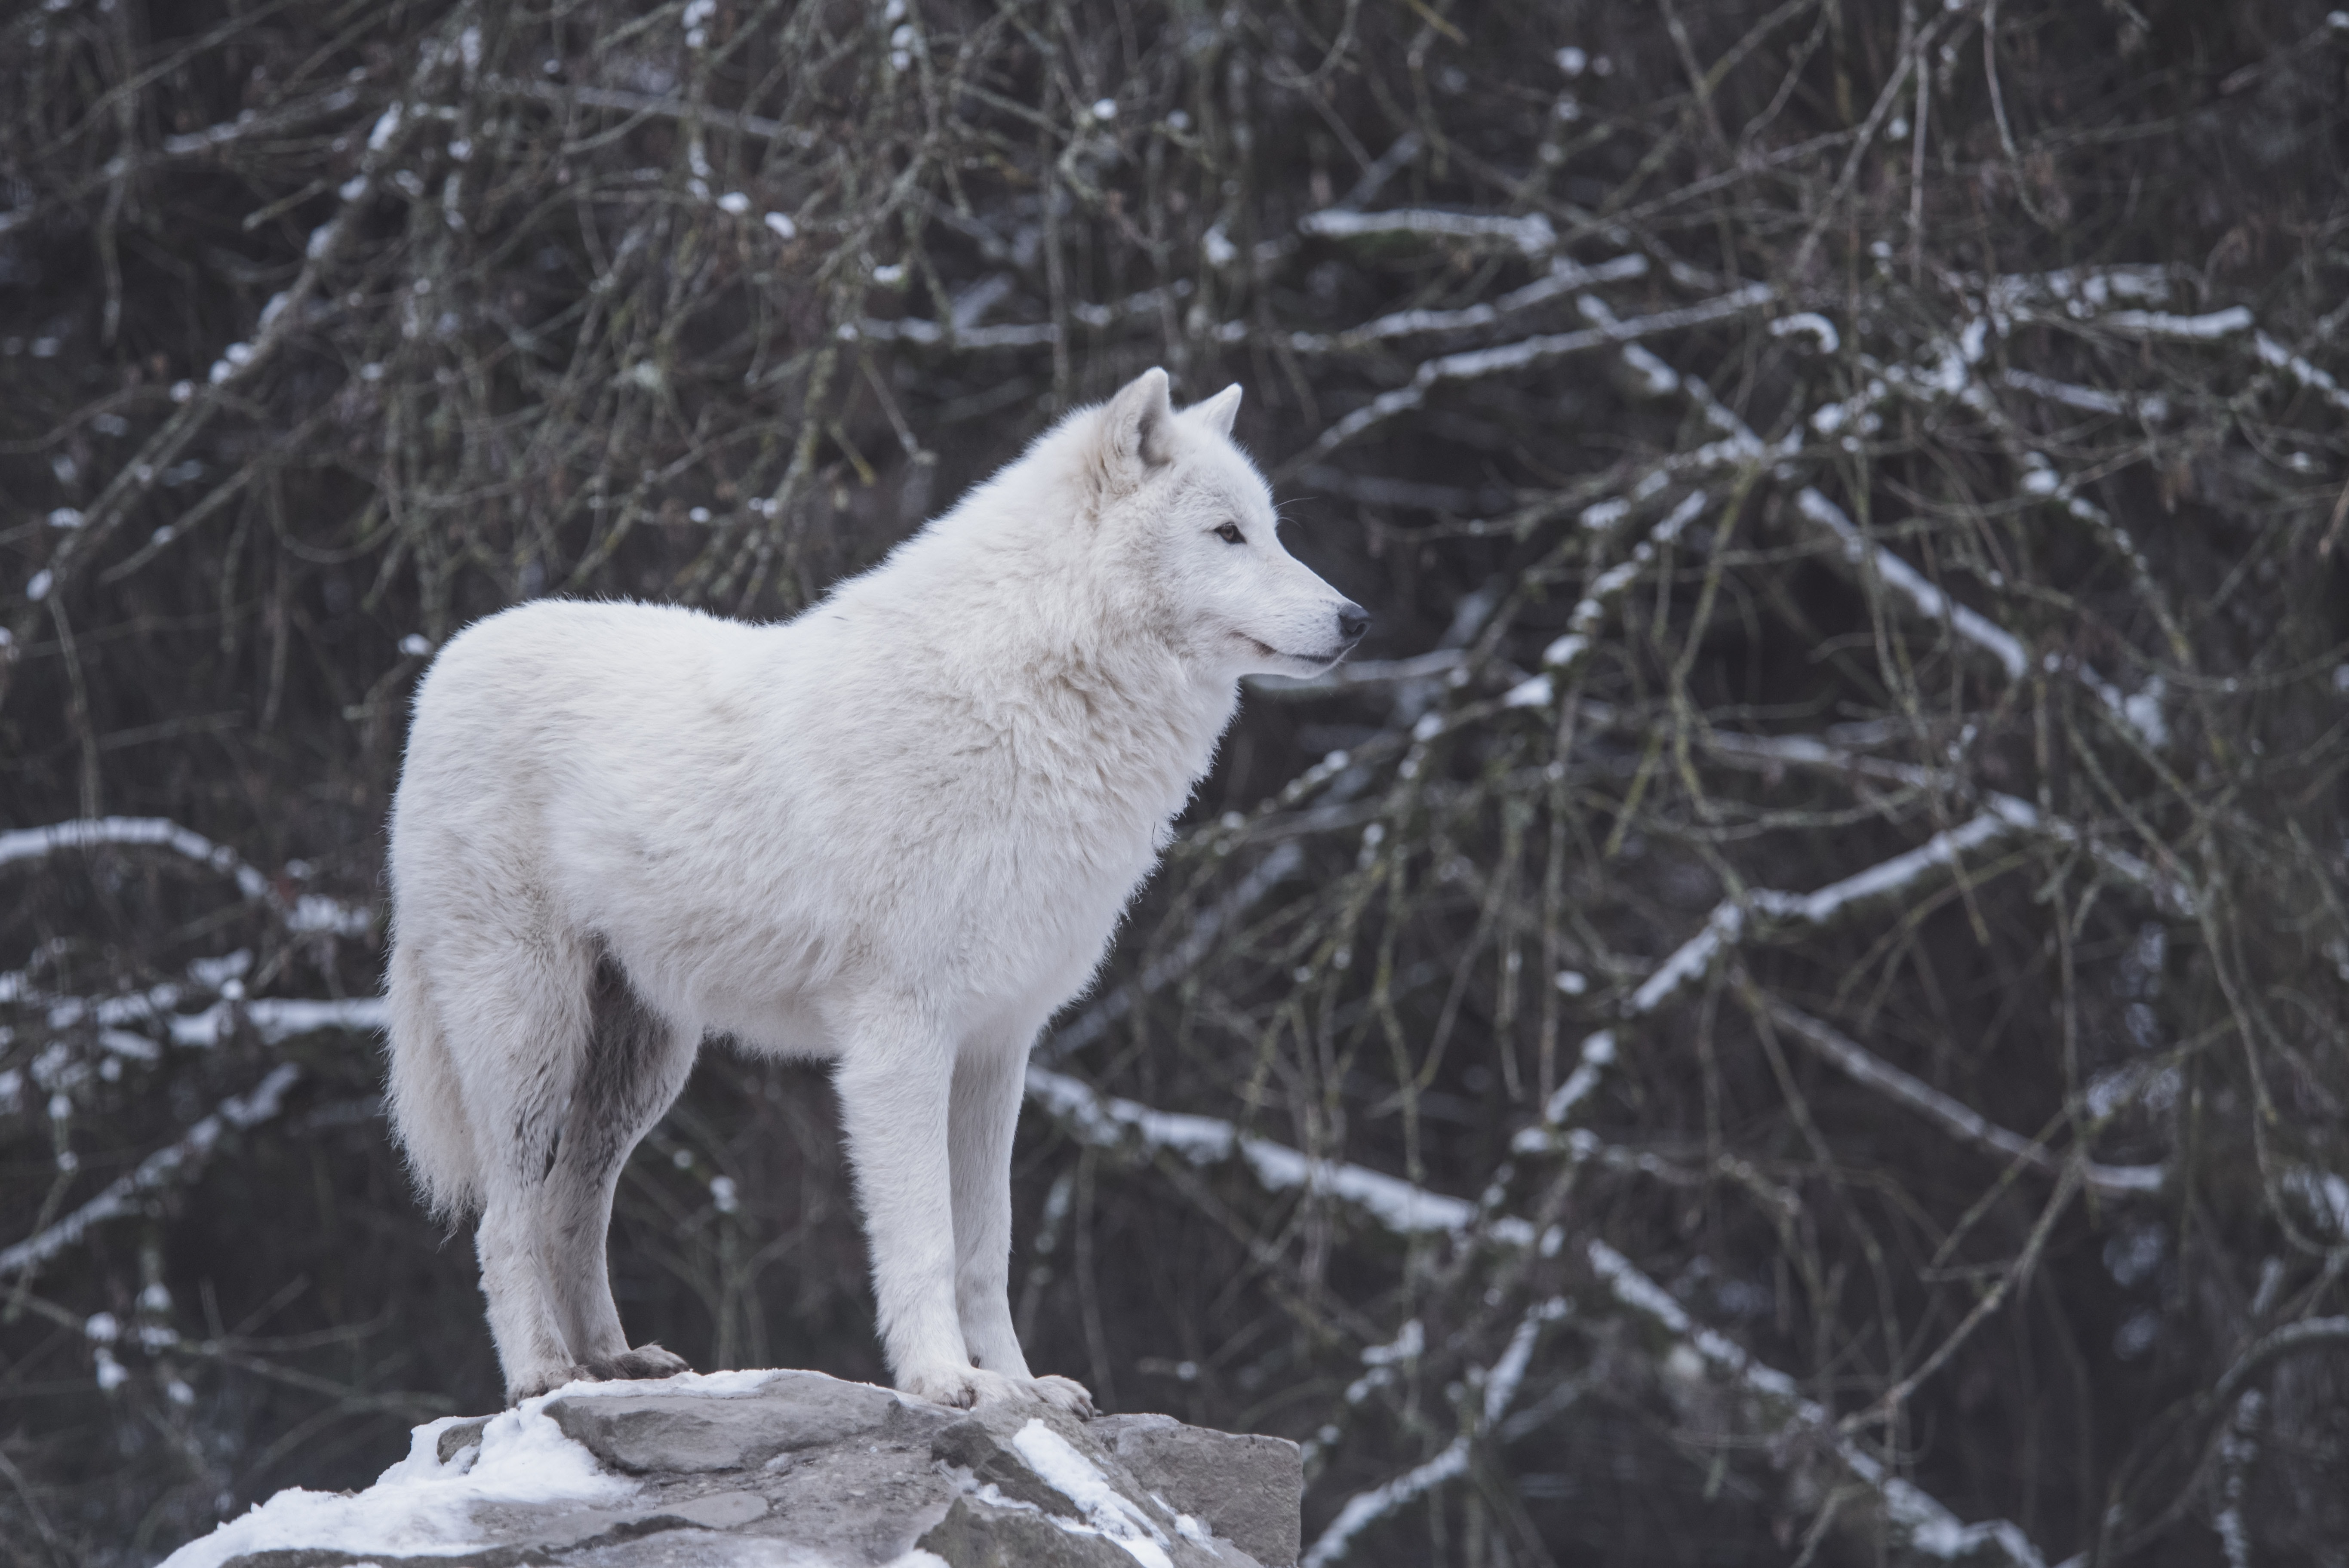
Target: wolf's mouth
pixel 1266 650
pixel 1269 652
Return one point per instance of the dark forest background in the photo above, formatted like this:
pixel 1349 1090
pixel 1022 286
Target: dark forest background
pixel 1790 1005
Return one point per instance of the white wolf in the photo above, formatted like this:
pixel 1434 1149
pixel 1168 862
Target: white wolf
pixel 896 831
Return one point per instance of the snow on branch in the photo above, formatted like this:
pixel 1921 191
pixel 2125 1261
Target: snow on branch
pixel 90 832
pixel 240 363
pixel 1810 751
pixel 1784 1421
pixel 1563 659
pixel 1106 1122
pixel 914 329
pixel 250 125
pixel 1733 920
pixel 1365 1509
pixel 1726 926
pixel 166 1166
pixel 272 1019
pixel 1953 1117
pixel 2082 296
pixel 2204 328
pixel 307 914
pixel 2276 357
pixel 1695 1359
pixel 2078 290
pixel 1564 277
pixel 2172 892
pixel 1531 233
pixel 1929 602
pixel 2154 409
pixel 1527 353
pixel 276 1018
pixel 1741 443
pixel 1898 875
pixel 1596 1055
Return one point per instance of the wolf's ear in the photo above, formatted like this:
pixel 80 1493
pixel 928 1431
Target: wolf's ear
pixel 1138 428
pixel 1216 412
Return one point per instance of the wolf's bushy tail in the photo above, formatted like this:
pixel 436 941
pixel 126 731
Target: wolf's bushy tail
pixel 428 1111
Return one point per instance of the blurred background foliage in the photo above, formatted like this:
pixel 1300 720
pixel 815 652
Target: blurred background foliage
pixel 1789 1006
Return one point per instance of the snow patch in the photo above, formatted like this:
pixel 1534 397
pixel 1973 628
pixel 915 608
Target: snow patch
pixel 739 1384
pixel 1693 959
pixel 1533 692
pixel 1896 574
pixel 1406 1346
pixel 423 1505
pixel 1106 1510
pixel 1531 235
pixel 315 912
pixel 1820 328
pixel 2326 1195
pixel 1377 1503
pixel 1636 1290
pixel 2156 324
pixel 1598 1055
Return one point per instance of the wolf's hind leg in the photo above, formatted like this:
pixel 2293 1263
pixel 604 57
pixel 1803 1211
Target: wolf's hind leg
pixel 637 1063
pixel 523 1318
pixel 515 1013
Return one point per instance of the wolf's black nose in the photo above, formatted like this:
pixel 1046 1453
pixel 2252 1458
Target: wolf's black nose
pixel 1352 622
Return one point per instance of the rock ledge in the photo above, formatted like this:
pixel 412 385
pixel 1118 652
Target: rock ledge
pixel 793 1469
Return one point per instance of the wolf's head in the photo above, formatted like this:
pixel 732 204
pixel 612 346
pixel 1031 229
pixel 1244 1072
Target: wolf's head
pixel 1187 521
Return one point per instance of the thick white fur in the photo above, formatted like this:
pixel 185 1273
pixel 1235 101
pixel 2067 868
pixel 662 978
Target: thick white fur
pixel 896 833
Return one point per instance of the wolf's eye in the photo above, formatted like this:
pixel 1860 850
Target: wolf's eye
pixel 1230 533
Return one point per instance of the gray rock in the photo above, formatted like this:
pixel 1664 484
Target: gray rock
pixel 722 1510
pixel 977 1445
pixel 1246 1488
pixel 810 1472
pixel 694 1433
pixel 973 1536
pixel 455 1440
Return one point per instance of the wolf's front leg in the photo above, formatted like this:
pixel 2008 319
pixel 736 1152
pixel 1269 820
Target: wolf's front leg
pixel 894 1080
pixel 988 1081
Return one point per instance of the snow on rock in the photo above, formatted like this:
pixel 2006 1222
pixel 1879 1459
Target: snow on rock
pixel 423 1505
pixel 789 1468
pixel 1107 1512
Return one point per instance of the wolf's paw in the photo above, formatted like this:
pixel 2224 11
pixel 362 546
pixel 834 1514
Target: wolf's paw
pixel 964 1387
pixel 545 1380
pixel 1063 1394
pixel 958 1386
pixel 646 1361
